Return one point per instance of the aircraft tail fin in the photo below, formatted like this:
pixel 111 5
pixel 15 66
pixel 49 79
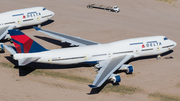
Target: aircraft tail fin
pixel 23 43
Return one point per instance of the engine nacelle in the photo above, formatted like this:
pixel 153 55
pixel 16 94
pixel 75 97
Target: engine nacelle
pixel 128 68
pixel 115 78
pixel 1 47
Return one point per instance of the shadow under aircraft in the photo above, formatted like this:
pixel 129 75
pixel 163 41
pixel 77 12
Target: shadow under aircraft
pixel 25 70
pixel 43 24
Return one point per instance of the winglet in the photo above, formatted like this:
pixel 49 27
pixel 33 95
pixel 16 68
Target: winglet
pixel 37 29
pixel 92 86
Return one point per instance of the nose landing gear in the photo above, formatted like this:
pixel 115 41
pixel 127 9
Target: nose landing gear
pixel 39 26
pixel 159 57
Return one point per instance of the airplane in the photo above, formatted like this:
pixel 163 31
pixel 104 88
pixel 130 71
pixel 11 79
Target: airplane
pixel 105 58
pixel 21 18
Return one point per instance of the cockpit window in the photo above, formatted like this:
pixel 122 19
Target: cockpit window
pixel 44 9
pixel 165 38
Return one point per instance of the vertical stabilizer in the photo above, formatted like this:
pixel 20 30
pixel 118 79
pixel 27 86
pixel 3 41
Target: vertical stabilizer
pixel 23 43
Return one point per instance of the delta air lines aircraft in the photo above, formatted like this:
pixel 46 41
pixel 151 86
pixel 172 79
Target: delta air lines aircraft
pixel 106 58
pixel 21 18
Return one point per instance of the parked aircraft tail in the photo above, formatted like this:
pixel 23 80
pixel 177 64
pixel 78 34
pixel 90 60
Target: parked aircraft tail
pixel 23 43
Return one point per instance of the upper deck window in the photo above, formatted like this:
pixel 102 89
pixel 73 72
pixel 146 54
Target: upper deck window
pixel 165 38
pixel 44 9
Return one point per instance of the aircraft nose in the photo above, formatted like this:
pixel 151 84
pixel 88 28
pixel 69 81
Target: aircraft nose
pixel 52 13
pixel 174 43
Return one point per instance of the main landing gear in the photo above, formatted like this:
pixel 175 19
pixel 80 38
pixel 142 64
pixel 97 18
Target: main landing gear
pixel 159 57
pixel 39 26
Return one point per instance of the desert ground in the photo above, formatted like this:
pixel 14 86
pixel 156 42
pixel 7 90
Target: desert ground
pixel 152 79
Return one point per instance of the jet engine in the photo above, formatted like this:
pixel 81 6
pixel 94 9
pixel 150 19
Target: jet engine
pixel 115 78
pixel 128 68
pixel 1 47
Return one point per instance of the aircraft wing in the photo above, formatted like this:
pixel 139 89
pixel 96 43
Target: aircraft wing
pixel 67 38
pixel 110 67
pixel 4 31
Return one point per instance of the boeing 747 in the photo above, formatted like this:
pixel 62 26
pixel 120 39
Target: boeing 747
pixel 21 18
pixel 106 58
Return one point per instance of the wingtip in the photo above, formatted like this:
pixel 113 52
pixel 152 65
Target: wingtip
pixel 37 29
pixel 92 86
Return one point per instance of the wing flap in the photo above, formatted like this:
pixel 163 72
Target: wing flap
pixel 67 38
pixel 109 69
pixel 26 61
pixel 4 31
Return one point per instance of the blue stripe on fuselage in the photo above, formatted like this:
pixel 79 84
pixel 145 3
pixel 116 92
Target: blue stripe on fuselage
pixel 136 43
pixel 151 41
pixel 17 15
pixel 31 12
pixel 91 62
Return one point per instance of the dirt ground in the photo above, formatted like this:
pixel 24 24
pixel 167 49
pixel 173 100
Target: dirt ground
pixel 137 18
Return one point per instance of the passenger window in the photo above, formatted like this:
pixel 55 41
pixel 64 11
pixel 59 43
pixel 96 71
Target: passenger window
pixel 165 38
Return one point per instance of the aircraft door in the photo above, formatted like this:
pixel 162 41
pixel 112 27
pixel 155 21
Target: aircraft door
pixel 139 48
pixel 144 48
pixel 22 21
pixel 38 18
pixel 158 47
pixel 109 54
pixel 18 23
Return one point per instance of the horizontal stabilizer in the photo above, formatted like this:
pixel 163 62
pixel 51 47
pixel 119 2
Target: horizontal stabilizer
pixel 10 48
pixel 67 38
pixel 26 61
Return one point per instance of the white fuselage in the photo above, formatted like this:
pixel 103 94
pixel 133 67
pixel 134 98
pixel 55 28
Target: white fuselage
pixel 137 47
pixel 25 17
